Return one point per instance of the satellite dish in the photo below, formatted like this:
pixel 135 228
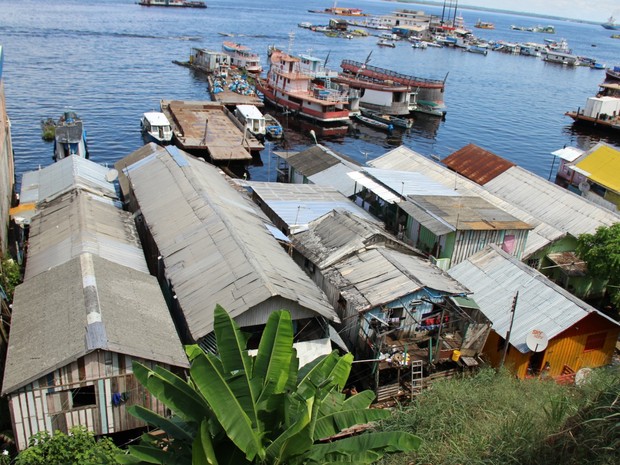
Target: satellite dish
pixel 536 341
pixel 584 186
pixel 111 175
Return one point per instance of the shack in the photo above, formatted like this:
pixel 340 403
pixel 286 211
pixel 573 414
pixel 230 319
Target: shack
pixel 400 313
pixel 572 335
pixel 86 310
pixel 209 244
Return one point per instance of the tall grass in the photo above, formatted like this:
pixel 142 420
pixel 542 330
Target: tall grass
pixel 494 418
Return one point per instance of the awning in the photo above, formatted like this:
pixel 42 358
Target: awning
pixel 374 187
pixel 465 302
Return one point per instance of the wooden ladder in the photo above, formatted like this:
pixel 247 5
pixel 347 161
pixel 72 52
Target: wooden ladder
pixel 417 377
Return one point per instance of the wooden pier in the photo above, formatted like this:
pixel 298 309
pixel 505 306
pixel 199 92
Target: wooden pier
pixel 210 130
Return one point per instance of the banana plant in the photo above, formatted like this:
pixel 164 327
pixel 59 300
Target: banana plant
pixel 240 409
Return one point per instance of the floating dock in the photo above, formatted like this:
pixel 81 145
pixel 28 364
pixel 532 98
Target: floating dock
pixel 210 130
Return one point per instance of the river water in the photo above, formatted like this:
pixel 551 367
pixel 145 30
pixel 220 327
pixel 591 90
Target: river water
pixel 111 60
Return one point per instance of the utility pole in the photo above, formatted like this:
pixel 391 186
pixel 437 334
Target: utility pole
pixel 512 319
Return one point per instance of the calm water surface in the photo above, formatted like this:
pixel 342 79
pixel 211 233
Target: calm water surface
pixel 111 60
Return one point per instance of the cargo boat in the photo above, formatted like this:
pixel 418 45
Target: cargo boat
pixel 429 91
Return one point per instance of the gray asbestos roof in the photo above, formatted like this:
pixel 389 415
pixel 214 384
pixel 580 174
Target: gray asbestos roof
pixel 64 175
pixel 339 234
pixel 299 204
pixel 495 277
pixel 79 222
pixel 377 276
pixel 546 229
pixel 83 305
pixel 214 242
pixel 324 167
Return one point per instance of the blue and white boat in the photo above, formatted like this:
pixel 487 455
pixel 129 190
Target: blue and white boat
pixel 70 137
pixel 156 128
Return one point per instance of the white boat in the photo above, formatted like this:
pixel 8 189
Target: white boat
pixel 241 57
pixel 253 120
pixel 375 123
pixel 480 49
pixel 386 43
pixel 417 43
pixel 156 127
pixel 565 59
pixel 70 137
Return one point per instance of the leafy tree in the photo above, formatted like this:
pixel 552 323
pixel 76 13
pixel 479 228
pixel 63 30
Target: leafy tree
pixel 601 251
pixel 79 447
pixel 238 409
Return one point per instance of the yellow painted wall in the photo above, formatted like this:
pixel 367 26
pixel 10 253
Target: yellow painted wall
pixel 566 349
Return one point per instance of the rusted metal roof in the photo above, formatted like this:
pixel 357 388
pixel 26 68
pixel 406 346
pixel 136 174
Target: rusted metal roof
pixel 569 263
pixel 477 164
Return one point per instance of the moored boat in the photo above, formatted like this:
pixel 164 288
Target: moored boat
pixel 374 123
pixel 156 127
pixel 70 137
pixel 273 128
pixel 429 92
pixel 480 49
pixel 395 121
pixel 241 57
pixel 561 58
pixel 484 25
pixel 386 43
pixel 173 3
pixel 612 74
pixel 252 119
pixel 288 87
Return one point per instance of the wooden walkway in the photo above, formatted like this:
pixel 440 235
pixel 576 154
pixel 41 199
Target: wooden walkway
pixel 210 128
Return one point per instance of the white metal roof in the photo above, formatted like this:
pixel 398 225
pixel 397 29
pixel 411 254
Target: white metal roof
pixel 363 179
pixel 64 175
pixel 494 277
pixel 299 204
pixel 408 183
pixel 337 177
pixel 569 154
pixel 156 118
pixel 250 111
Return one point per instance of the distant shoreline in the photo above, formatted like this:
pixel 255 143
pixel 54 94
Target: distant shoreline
pixel 495 10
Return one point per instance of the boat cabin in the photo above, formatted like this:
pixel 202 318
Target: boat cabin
pixel 156 127
pixel 252 119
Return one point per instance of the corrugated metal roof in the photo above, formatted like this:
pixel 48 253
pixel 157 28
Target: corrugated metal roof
pixel 378 276
pixel 73 171
pixel 495 277
pixel 214 243
pixel 570 154
pixel 545 229
pixel 79 222
pixel 372 185
pixel 316 159
pixel 299 204
pixel 337 177
pixel 476 163
pixel 550 203
pixel 603 166
pixel 83 305
pixel 406 183
pixel 467 213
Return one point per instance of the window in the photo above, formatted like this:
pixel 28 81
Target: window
pixel 83 396
pixel 595 342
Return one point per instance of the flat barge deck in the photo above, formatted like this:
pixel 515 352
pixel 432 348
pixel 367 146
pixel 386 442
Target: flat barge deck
pixel 210 130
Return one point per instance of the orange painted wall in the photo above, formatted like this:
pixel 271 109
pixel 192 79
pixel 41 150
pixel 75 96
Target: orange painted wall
pixel 566 349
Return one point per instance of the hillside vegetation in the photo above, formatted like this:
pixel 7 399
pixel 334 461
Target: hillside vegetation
pixel 496 419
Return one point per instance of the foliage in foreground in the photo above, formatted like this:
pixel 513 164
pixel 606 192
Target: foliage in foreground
pixel 497 419
pixel 79 447
pixel 601 251
pixel 238 409
pixel 10 276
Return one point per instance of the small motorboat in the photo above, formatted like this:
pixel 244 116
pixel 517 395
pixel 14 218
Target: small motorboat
pixel 395 121
pixel 386 43
pixel 69 137
pixel 156 127
pixel 273 128
pixel 374 123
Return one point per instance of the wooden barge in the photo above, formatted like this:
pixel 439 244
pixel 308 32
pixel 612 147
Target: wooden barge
pixel 209 130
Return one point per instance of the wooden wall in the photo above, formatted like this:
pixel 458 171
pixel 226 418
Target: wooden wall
pixel 82 393
pixel 567 349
